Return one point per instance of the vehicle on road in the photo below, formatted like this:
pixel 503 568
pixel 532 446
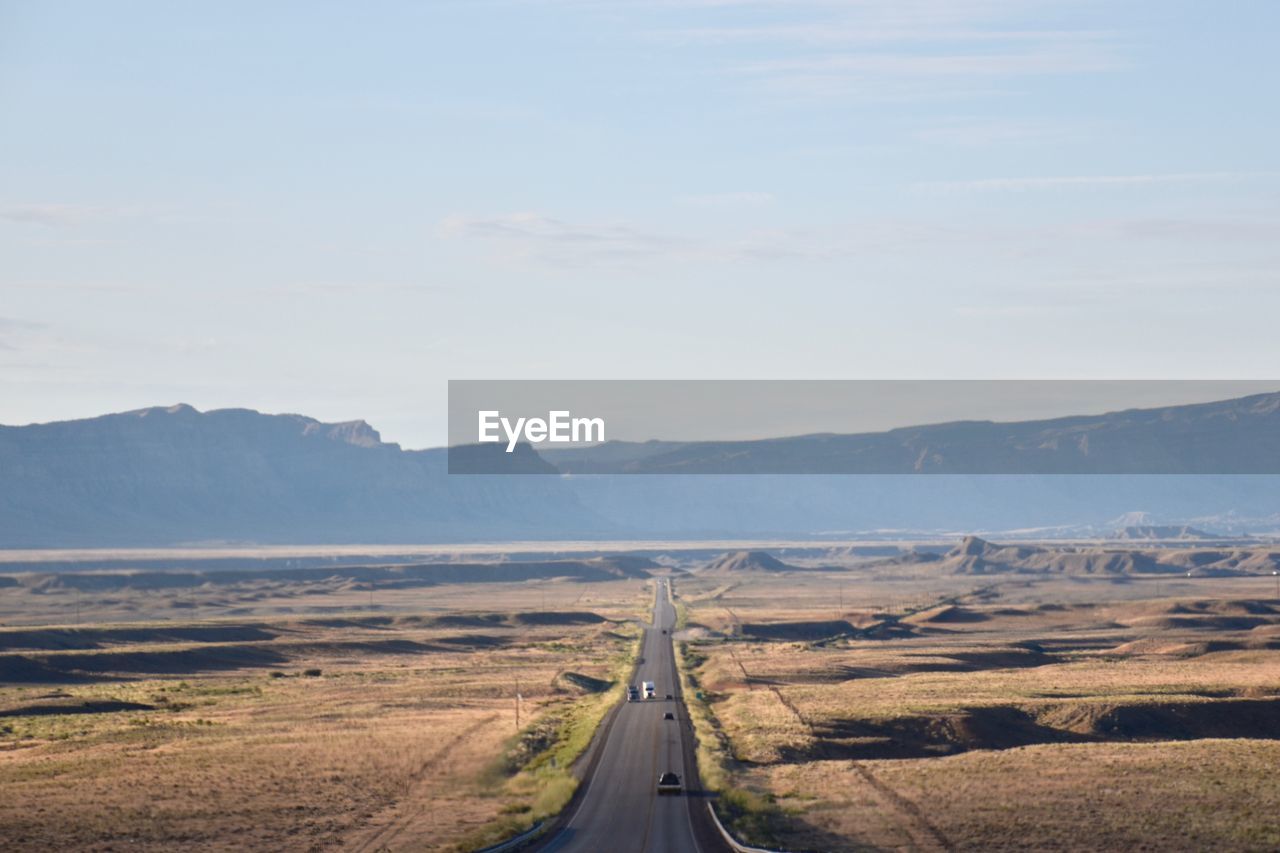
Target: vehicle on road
pixel 649 690
pixel 633 693
pixel 668 716
pixel 669 783
pixel 670 697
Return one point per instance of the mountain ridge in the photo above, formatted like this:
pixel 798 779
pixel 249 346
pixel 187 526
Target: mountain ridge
pixel 171 475
pixel 1236 436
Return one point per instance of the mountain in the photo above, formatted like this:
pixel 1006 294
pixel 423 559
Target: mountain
pixel 1240 436
pixel 170 475
pixel 737 562
pixel 977 556
pixel 175 475
pixel 1162 532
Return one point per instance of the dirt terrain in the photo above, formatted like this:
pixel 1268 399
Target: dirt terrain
pixel 918 696
pixel 897 707
pixel 352 730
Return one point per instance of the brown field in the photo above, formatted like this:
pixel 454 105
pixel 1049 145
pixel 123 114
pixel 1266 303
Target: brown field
pixel 990 713
pixel 852 705
pixel 350 729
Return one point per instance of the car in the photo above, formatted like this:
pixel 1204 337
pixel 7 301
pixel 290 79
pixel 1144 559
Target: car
pixel 668 716
pixel 664 630
pixel 669 783
pixel 633 694
pixel 670 697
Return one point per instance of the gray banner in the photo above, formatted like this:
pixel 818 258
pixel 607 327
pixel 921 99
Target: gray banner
pixel 574 427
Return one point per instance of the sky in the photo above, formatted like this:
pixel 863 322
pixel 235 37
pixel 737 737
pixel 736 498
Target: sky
pixel 334 208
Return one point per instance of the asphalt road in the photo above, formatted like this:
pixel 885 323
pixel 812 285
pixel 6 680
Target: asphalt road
pixel 619 810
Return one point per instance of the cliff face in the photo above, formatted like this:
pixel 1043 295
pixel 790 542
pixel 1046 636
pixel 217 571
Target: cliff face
pixel 166 475
pixel 975 556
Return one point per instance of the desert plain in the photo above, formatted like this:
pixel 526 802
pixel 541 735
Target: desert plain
pixel 980 697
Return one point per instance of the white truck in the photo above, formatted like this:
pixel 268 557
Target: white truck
pixel 649 691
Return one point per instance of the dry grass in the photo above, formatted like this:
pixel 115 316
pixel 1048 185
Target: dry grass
pixel 274 599
pixel 1196 795
pixel 1095 722
pixel 390 747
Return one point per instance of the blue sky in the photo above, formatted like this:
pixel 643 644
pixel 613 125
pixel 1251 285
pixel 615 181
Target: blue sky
pixel 332 209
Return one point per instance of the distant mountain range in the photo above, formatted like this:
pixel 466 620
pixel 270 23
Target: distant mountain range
pixel 164 476
pixel 976 556
pixel 1150 532
pixel 1240 436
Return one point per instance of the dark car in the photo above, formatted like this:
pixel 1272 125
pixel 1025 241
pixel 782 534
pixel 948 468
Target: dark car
pixel 669 696
pixel 669 783
pixel 668 716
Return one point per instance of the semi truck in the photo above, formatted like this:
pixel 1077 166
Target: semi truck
pixel 650 692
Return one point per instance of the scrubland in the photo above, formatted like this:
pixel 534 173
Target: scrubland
pixel 843 707
pixel 846 712
pixel 349 730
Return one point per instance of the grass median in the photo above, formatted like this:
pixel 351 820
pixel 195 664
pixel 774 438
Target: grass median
pixel 536 767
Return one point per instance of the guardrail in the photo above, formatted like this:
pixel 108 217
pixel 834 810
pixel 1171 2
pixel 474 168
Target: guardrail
pixel 518 841
pixel 733 843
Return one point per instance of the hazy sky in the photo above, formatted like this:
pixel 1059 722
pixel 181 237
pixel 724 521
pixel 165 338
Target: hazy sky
pixel 334 208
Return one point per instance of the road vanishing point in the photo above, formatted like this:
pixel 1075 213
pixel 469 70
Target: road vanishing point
pixel 619 809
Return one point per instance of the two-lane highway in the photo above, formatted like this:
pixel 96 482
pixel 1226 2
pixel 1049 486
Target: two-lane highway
pixel 620 810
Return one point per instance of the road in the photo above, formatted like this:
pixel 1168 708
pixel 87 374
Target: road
pixel 619 810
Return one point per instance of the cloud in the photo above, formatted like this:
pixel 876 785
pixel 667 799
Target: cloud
pixel 862 36
pixel 980 132
pixel 1196 230
pixel 1154 287
pixel 546 240
pixel 1088 181
pixel 48 214
pixel 730 199
pixel 88 285
pixel 557 242
pixel 872 65
pixel 1005 311
pixel 13 330
pixel 891 49
pixel 876 50
pixel 890 77
pixel 362 288
pixel 12 324
pixel 62 215
pixel 562 243
pixel 865 46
